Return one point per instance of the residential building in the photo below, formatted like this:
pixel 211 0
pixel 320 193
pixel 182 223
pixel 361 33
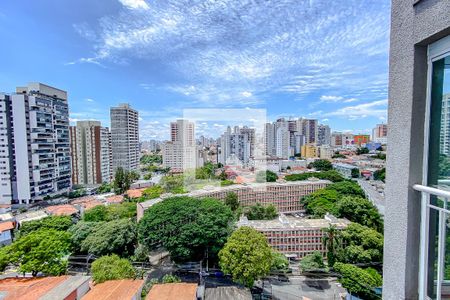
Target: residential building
pixel 336 139
pixel 379 133
pixel 34 143
pixel 344 169
pixel 270 139
pixel 415 263
pixel 123 289
pixel 361 139
pixel 235 146
pixel 90 151
pixel 310 130
pixel 323 135
pixel 347 140
pixel 124 137
pixel 309 151
pixel 325 152
pixel 180 152
pixel 295 237
pixel 282 140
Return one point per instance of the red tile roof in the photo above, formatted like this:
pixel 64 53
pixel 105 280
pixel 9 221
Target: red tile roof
pixel 115 290
pixel 115 199
pixel 6 226
pixel 61 210
pixel 170 291
pixel 135 193
pixel 28 288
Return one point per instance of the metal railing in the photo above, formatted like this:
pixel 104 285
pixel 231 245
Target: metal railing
pixel 443 214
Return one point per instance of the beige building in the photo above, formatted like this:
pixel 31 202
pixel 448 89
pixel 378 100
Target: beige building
pixel 180 152
pixel 90 151
pixel 286 196
pixel 295 237
pixel 309 151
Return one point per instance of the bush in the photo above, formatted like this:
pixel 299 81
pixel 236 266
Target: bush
pixel 331 175
pixel 152 192
pixel 111 268
pixel 311 262
pixel 358 281
pixel 322 165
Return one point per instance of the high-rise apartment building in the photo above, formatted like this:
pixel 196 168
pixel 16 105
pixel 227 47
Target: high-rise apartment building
pixel 34 143
pixel 379 133
pixel 124 137
pixel 235 146
pixel 90 151
pixel 282 140
pixel 323 135
pixel 270 139
pixel 310 130
pixel 336 139
pixel 180 152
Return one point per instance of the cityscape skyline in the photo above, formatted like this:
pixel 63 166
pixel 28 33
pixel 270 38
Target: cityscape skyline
pixel 311 59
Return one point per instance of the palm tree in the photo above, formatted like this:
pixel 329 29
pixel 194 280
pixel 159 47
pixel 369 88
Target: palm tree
pixel 331 241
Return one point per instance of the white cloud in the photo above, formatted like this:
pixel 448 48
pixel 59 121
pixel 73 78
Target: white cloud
pixel 89 100
pixel 326 98
pixel 135 4
pixel 246 94
pixel 371 109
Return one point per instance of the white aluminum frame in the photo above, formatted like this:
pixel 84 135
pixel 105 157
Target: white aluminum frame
pixel 436 51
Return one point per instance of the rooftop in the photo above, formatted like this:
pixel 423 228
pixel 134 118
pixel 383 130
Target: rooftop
pixel 170 291
pixel 28 288
pixel 115 290
pixel 115 199
pixel 135 193
pixel 289 222
pixel 227 293
pixel 62 210
pixel 6 226
pixel 31 216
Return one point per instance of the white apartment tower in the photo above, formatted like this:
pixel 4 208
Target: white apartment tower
pixel 236 145
pixel 34 143
pixel 90 150
pixel 124 137
pixel 323 135
pixel 180 152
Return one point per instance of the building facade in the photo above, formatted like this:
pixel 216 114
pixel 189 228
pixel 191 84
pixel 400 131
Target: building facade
pixel 180 152
pixel 379 134
pixel 35 137
pixel 323 135
pixel 124 137
pixel 90 151
pixel 415 231
pixel 295 237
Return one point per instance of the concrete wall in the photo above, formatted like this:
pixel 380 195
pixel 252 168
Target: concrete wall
pixel 414 25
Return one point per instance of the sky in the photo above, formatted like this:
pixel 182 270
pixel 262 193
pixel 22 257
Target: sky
pixel 319 59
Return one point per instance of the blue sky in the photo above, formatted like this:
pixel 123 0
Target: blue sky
pixel 314 58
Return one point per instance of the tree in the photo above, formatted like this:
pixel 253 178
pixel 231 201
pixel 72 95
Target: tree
pixel 95 214
pixel 118 236
pixel 60 223
pixel 122 181
pixel 232 201
pixel 111 268
pixel 104 188
pixel 362 245
pixel 152 192
pixel 355 173
pixel 359 210
pixel 331 175
pixel 347 187
pixel 186 227
pixel 358 281
pixel 246 256
pixel 150 159
pixel 311 262
pixel 173 184
pixel 331 242
pixel 363 150
pixel 80 231
pixel 322 165
pixel 279 262
pixel 266 176
pixel 133 176
pixel 320 202
pixel 259 212
pixel 380 174
pixel 168 278
pixel 42 250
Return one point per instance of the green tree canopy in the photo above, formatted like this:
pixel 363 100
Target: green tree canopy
pixel 80 231
pixel 232 201
pixel 363 150
pixel 322 165
pixel 358 281
pixel 53 222
pixel 186 226
pixel 246 256
pixel 381 174
pixel 104 188
pixel 266 176
pixel 362 245
pixel 320 202
pixel 260 212
pixel 347 187
pixel 359 210
pixel 42 250
pixel 173 184
pixel 311 262
pixel 122 181
pixel 117 236
pixel 152 192
pixel 111 212
pixel 149 159
pixel 331 175
pixel 279 262
pixel 111 268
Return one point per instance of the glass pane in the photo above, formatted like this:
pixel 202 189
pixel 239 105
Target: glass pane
pixel 438 161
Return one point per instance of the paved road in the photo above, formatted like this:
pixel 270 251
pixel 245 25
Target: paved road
pixel 373 195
